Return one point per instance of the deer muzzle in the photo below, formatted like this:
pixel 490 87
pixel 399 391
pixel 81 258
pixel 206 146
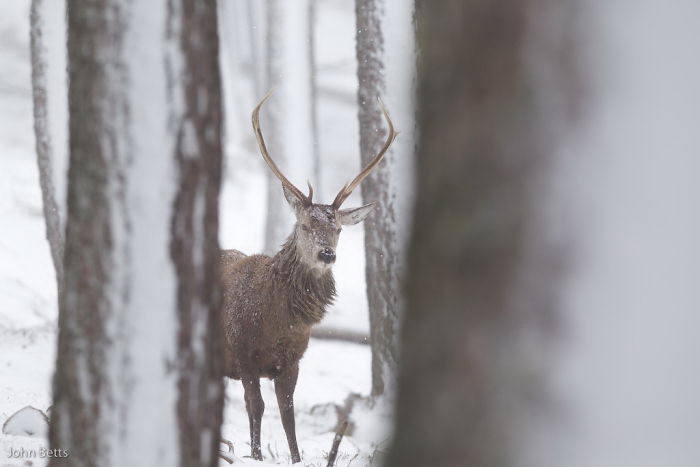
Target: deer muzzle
pixel 327 255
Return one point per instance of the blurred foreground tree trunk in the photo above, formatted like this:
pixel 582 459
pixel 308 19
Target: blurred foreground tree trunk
pixel 138 379
pixel 493 99
pixel 386 70
pixel 48 50
pixel 289 124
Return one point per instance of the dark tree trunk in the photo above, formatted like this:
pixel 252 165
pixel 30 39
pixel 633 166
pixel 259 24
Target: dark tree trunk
pixel 482 282
pixel 138 379
pixel 194 243
pixel 42 134
pixel 379 77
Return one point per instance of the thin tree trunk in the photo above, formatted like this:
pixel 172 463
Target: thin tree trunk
pixel 482 283
pixel 238 74
pixel 288 125
pixel 278 219
pixel 256 37
pixel 313 84
pixel 138 378
pixel 386 67
pixel 42 133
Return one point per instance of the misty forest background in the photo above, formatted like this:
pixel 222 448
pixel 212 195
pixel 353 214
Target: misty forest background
pixel 525 293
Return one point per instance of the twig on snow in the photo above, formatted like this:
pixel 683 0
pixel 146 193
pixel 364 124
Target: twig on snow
pixel 338 334
pixel 229 444
pixel 336 443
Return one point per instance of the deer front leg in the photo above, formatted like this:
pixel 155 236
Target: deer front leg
pixel 284 388
pixel 255 406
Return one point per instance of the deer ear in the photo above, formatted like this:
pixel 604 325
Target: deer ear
pixel 293 201
pixel 354 215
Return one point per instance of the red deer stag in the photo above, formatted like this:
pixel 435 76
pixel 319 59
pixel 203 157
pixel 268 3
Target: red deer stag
pixel 270 303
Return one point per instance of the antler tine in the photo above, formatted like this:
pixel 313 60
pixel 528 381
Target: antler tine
pixel 270 163
pixel 349 187
pixel 310 196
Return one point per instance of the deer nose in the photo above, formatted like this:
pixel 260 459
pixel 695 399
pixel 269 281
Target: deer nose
pixel 327 255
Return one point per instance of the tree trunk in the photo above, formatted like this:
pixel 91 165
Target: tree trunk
pixel 138 378
pixel 289 125
pixel 47 29
pixel 257 29
pixel 386 70
pixel 482 281
pixel 313 88
pixel 238 58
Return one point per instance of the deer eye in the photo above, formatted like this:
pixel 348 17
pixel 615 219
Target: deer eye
pixel 305 228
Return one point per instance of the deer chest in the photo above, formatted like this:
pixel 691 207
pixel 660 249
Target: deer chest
pixel 279 355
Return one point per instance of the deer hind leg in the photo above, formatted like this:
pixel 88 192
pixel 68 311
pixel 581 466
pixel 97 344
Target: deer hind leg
pixel 255 406
pixel 284 388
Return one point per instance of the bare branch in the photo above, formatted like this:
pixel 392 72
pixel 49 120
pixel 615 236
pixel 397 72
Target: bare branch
pixel 329 333
pixel 225 457
pixel 336 443
pixel 227 443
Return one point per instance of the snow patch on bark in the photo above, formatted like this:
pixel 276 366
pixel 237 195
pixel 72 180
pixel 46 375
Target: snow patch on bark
pixel 142 426
pixel 290 133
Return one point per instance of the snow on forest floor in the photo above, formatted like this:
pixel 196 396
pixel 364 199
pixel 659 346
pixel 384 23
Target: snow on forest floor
pixel 330 371
pixel 26 367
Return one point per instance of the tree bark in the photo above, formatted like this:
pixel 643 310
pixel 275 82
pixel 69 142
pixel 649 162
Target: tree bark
pixel 313 88
pixel 138 379
pixel 289 124
pixel 46 157
pixel 482 280
pixel 386 69
pixel 257 29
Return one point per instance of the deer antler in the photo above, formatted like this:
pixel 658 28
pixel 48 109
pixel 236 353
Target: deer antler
pixel 349 187
pixel 306 200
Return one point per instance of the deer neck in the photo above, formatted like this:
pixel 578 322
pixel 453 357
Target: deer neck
pixel 309 291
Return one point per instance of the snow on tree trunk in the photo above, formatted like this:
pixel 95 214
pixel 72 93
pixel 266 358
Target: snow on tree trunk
pixel 255 14
pixel 238 74
pixel 288 127
pixel 313 85
pixel 494 98
pixel 49 93
pixel 138 373
pixel 386 69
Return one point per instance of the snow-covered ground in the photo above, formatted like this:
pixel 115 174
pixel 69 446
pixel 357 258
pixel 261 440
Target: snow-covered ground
pixel 329 371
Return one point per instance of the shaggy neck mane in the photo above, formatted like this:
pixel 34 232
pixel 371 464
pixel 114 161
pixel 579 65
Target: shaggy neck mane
pixel 308 293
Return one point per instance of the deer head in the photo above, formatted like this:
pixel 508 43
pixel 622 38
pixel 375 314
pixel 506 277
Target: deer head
pixel 318 226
